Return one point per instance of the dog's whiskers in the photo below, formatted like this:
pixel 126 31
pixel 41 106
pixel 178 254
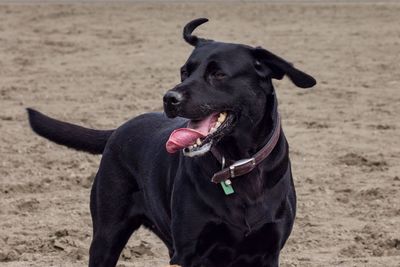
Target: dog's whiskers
pixel 205 108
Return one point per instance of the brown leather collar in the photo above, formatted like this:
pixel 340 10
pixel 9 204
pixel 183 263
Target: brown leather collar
pixel 244 166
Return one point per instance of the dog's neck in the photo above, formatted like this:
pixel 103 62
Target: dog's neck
pixel 249 143
pixel 252 189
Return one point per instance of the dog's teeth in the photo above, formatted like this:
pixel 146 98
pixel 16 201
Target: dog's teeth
pixel 212 130
pixel 217 124
pixel 190 147
pixel 195 145
pixel 222 117
pixel 198 141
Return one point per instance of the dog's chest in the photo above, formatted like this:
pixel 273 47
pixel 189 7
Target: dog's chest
pixel 249 214
pixel 225 244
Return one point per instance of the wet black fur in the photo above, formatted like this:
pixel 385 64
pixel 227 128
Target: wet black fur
pixel 139 183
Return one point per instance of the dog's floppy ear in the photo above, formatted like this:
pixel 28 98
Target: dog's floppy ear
pixel 280 67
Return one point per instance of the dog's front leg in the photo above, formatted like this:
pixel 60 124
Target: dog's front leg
pixel 185 235
pixel 189 221
pixel 185 254
pixel 199 242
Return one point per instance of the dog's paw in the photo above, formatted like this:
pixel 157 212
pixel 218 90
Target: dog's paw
pixel 173 265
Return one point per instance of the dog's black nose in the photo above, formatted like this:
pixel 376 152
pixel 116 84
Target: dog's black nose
pixel 173 98
pixel 172 101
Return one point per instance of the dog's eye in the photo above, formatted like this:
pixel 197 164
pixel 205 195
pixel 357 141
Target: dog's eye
pixel 257 65
pixel 219 75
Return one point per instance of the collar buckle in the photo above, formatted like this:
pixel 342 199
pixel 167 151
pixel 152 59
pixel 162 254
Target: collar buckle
pixel 239 164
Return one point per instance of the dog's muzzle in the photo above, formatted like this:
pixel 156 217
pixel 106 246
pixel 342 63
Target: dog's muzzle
pixel 172 103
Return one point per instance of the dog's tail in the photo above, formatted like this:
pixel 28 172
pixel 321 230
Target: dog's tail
pixel 67 134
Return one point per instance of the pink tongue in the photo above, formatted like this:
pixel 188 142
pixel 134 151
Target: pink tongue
pixel 184 137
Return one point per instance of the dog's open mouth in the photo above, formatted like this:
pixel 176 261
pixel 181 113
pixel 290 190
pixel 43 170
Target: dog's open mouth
pixel 200 135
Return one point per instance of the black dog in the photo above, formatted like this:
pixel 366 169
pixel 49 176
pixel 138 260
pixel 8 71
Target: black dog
pixel 213 180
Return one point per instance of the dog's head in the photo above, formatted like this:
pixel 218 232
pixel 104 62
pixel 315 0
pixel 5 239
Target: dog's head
pixel 223 88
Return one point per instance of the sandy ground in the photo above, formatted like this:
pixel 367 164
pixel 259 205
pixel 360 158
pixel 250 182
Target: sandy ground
pixel 99 65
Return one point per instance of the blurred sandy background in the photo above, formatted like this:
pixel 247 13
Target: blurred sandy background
pixel 101 64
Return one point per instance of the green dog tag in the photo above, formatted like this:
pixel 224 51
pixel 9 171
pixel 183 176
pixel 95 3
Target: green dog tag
pixel 228 189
